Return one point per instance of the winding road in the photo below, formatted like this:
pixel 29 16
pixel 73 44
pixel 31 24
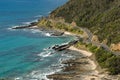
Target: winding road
pixel 90 35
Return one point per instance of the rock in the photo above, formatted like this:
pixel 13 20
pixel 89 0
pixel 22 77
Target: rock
pixel 27 26
pixel 115 47
pixel 20 27
pixel 65 46
pixel 92 79
pixel 74 24
pixel 73 42
pixel 95 39
pixel 60 48
pixel 57 34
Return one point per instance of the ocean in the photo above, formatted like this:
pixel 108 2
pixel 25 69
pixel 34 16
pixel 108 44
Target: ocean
pixel 25 54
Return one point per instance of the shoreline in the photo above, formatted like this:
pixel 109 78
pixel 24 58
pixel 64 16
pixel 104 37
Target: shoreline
pixel 83 67
pixel 85 54
pixel 66 33
pixel 82 63
pixel 50 31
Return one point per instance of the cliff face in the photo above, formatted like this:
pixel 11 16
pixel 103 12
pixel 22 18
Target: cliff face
pixel 115 47
pixel 102 17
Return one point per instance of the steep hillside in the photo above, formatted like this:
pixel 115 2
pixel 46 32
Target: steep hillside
pixel 102 17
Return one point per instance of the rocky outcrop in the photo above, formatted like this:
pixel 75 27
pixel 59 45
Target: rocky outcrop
pixel 115 47
pixel 27 26
pixel 61 47
pixel 64 46
pixel 73 24
pixel 95 39
pixel 57 33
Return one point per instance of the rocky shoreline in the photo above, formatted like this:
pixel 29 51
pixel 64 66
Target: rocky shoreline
pixel 64 46
pixel 33 26
pixel 83 67
pixel 74 67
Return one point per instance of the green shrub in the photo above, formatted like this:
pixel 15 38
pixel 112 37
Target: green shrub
pixel 102 17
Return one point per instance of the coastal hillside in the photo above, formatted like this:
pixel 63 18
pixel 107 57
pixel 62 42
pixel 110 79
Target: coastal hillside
pixel 101 17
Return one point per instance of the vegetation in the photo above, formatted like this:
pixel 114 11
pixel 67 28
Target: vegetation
pixel 104 58
pixel 47 23
pixel 102 17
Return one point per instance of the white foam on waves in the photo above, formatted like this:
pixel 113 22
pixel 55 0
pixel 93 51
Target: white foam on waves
pixel 29 22
pixel 11 28
pixel 35 30
pixel 47 34
pixel 35 75
pixel 38 16
pixel 45 54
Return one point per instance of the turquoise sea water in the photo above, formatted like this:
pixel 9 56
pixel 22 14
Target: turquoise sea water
pixel 23 52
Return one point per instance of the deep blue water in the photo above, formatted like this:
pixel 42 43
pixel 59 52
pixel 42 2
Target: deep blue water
pixel 22 51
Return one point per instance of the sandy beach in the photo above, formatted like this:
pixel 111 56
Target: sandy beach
pixel 84 67
pixel 93 73
pixel 69 33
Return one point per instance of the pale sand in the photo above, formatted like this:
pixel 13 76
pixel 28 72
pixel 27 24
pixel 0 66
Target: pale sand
pixel 68 33
pixel 73 34
pixel 86 53
pixel 91 66
pixel 92 72
pixel 85 67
